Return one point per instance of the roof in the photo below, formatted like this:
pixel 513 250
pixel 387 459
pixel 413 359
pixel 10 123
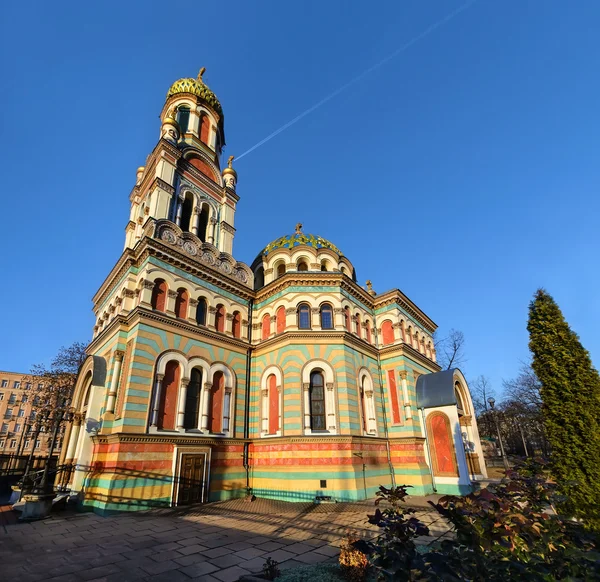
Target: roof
pixel 436 389
pixel 298 239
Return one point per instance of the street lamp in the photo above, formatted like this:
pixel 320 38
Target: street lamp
pixel 492 403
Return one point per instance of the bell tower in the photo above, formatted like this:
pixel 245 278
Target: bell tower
pixel 182 181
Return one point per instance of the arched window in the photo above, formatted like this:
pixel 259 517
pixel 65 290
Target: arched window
pixel 203 223
pixel 459 401
pixel 302 266
pixel 281 319
pixel 186 213
pixel 361 403
pixel 192 400
pixel 387 332
pixel 402 331
pixel 167 410
pixel 266 326
pixel 324 266
pixel 347 319
pixel 181 303
pixel 236 324
pixel 159 295
pixel 357 318
pixel 326 316
pixel 205 129
pixel 368 331
pixel 220 318
pixel 259 278
pixel 343 270
pixel 280 270
pixel 216 403
pixel 183 118
pixel 317 401
pixel 201 311
pixel 273 404
pixel 304 316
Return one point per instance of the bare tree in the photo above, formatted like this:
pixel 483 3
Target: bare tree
pixel 450 350
pixel 481 391
pixel 53 387
pixel 525 388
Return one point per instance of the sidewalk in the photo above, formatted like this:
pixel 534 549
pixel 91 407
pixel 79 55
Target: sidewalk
pixel 212 542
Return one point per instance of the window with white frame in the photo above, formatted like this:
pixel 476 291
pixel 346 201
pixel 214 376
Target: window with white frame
pixel 13 443
pixel 27 443
pixel 4 383
pixel 16 384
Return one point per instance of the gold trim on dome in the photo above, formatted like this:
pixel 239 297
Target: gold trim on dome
pixel 171 121
pixel 196 87
pixel 299 238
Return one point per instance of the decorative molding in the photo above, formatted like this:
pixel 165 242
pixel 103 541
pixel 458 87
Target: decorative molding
pixel 403 374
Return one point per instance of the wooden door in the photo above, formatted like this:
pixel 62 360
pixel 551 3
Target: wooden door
pixel 191 479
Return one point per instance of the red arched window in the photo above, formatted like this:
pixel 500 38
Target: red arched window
pixel 387 332
pixel 204 129
pixel 236 324
pixel 266 326
pixel 273 404
pixel 159 295
pixel 281 319
pixel 358 324
pixel 220 318
pixel 181 303
pixel 167 411
pixel 368 332
pixel 216 403
pixel 347 319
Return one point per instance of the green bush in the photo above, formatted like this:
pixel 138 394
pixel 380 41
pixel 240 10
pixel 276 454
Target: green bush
pixel 316 573
pixel 504 532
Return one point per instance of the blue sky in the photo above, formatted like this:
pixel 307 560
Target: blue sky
pixel 464 171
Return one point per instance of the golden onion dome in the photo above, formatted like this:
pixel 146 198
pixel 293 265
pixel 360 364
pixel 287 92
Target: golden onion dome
pixel 198 88
pixel 169 120
pixel 298 239
pixel 229 169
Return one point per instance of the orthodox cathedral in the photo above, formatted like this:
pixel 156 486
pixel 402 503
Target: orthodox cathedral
pixel 208 378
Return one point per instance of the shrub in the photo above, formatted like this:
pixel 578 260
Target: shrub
pixel 505 532
pixel 352 561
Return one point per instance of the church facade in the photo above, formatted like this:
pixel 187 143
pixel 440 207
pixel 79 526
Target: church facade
pixel 208 378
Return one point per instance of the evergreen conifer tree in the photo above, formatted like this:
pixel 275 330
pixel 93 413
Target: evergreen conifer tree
pixel 570 390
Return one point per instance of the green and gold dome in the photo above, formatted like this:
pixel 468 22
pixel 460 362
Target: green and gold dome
pixel 198 88
pixel 300 239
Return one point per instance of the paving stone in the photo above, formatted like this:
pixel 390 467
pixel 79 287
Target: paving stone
pixel 225 561
pixel 172 576
pixel 298 548
pixel 191 559
pixel 281 555
pixel 159 567
pixel 191 541
pixel 327 550
pixel 91 573
pixel 230 574
pixel 163 556
pixel 215 552
pixel 311 558
pixel 199 569
pixel 249 554
pixel 269 546
pixel 192 549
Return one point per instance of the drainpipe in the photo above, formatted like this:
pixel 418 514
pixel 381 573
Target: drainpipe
pixel 247 403
pixel 428 449
pixel 385 425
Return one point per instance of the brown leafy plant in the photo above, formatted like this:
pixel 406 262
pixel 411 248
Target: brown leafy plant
pixel 353 562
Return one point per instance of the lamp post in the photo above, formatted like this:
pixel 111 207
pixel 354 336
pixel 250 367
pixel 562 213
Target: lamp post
pixel 492 403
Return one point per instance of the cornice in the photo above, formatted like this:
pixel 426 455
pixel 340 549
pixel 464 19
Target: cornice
pixel 410 352
pixel 127 260
pixel 292 337
pixel 171 255
pixel 396 296
pixel 176 439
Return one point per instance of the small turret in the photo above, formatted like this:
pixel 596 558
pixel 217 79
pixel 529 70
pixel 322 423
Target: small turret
pixel 170 130
pixel 229 174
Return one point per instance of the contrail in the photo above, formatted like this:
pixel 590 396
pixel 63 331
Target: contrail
pixel 372 68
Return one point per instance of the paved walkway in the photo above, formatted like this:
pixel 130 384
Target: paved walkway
pixel 217 542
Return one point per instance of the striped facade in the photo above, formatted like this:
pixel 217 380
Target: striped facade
pixel 209 379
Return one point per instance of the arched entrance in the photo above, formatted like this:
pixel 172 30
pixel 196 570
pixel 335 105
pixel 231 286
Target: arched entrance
pixel 443 456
